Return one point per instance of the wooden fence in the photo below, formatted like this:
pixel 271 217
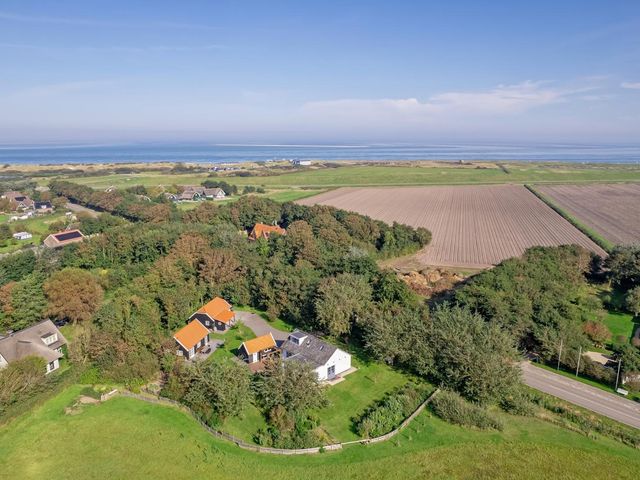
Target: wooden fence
pixel 279 451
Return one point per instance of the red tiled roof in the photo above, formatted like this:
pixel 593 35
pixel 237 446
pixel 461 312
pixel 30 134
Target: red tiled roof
pixel 189 335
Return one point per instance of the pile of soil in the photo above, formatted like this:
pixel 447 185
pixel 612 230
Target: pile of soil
pixel 430 281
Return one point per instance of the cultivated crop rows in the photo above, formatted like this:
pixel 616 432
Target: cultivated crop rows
pixel 613 211
pixel 472 226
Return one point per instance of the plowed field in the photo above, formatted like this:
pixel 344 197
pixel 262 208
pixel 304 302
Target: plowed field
pixel 472 226
pixel 613 211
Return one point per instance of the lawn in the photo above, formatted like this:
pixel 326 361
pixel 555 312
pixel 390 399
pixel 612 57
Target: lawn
pixel 233 338
pixel 127 438
pixel 356 393
pixel 378 175
pixel 621 325
pixel 38 226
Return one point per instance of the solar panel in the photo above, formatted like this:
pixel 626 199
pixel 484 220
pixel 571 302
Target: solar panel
pixel 62 237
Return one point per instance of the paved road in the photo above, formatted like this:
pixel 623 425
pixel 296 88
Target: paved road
pixel 74 207
pixel 259 325
pixel 607 404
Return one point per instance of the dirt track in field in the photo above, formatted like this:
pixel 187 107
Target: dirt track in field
pixel 472 226
pixel 613 211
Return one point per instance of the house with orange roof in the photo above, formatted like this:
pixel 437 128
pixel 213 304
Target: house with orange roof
pixel 216 315
pixel 261 230
pixel 191 339
pixel 258 349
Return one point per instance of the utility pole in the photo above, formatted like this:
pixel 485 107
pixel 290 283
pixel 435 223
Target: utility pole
pixel 579 357
pixel 559 355
pixel 618 374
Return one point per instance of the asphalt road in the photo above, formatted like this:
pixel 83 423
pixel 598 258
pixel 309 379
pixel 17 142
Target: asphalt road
pixel 607 404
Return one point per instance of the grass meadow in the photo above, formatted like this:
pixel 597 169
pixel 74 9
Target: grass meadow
pixel 126 438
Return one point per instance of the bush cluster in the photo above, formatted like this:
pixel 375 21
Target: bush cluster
pixel 389 413
pixel 453 408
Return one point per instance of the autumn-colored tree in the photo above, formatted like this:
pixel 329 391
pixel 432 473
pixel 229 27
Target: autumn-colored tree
pixel 190 250
pixel 597 332
pixel 73 294
pixel 220 266
pixel 302 243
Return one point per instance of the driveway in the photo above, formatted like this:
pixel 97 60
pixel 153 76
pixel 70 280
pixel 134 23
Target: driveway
pixel 260 326
pixel 74 207
pixel 607 404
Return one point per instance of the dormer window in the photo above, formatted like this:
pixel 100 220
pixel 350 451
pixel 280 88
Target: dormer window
pixel 297 337
pixel 50 338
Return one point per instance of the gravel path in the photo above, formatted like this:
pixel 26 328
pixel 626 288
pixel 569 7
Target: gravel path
pixel 259 325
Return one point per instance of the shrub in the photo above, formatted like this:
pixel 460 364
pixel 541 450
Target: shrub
pixel 388 413
pixel 454 409
pixel 518 402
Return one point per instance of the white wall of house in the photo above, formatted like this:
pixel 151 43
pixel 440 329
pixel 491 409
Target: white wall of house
pixel 51 366
pixel 339 362
pixel 3 362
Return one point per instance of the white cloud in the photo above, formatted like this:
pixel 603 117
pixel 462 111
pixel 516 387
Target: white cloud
pixel 631 85
pixel 501 100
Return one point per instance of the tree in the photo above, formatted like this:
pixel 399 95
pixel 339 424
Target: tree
pixel 19 379
pixel 632 300
pixel 5 232
pixel 341 300
pixel 624 265
pixel 471 356
pixel 73 294
pixel 292 385
pixel 23 303
pixel 222 387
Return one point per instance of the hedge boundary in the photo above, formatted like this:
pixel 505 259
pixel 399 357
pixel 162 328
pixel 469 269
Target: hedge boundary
pixel 278 451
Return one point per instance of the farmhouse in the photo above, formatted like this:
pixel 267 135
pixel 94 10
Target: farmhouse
pixel 327 360
pixel 42 340
pixel 214 193
pixel 22 236
pixel 18 200
pixel 191 339
pixel 61 239
pixel 216 315
pixel 261 230
pixel 258 349
pixel 43 207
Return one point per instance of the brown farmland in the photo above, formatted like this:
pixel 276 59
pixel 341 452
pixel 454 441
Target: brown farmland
pixel 472 226
pixel 613 211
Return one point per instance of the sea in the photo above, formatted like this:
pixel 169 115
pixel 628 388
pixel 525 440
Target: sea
pixel 232 153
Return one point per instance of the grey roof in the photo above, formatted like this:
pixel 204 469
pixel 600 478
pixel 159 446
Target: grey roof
pixel 30 341
pixel 213 191
pixel 313 350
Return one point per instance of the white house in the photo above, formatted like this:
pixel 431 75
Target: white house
pixel 42 340
pixel 22 236
pixel 327 360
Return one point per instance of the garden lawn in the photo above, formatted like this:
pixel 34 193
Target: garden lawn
pixel 621 325
pixel 38 226
pixel 128 438
pixel 351 397
pixel 233 338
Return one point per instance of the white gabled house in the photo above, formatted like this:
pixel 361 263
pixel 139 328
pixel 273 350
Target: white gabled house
pixel 327 360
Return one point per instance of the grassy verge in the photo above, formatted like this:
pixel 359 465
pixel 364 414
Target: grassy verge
pixel 599 240
pixel 99 441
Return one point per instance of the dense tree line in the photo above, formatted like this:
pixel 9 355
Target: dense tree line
pixel 124 204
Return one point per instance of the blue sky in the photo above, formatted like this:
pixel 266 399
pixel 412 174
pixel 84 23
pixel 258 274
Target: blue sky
pixel 331 71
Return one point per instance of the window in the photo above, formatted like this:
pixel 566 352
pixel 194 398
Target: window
pixel 331 371
pixel 50 339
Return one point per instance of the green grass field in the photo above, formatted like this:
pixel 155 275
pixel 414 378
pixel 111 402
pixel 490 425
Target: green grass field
pixel 37 226
pixel 368 175
pixel 354 394
pixel 126 438
pixel 621 325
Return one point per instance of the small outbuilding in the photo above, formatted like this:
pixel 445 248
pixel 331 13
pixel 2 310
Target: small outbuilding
pixel 258 349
